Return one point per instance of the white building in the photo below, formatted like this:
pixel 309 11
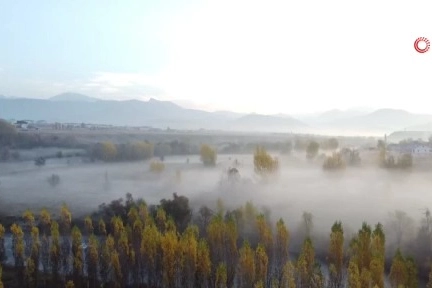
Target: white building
pixel 420 150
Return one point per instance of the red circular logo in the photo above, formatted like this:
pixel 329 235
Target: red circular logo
pixel 420 40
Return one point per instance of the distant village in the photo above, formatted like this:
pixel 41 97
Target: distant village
pixel 29 125
pixel 417 148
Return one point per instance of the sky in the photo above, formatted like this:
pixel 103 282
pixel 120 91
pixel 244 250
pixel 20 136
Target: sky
pixel 246 56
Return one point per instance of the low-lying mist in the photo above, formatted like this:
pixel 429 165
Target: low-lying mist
pixel 352 196
pixel 397 199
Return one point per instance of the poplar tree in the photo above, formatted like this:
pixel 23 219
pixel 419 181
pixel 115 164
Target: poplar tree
pixel 18 248
pixel 55 251
pixel 398 272
pixel 336 256
pixel 281 248
pixel 261 264
pixel 203 268
pixel 354 280
pixel 246 272
pixel 221 276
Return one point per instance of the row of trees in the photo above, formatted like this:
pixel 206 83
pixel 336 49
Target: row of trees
pixel 108 151
pixel 147 246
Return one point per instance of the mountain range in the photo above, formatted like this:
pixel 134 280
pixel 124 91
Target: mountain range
pixel 78 108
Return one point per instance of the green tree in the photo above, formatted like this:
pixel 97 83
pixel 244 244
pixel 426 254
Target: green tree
pixel 208 155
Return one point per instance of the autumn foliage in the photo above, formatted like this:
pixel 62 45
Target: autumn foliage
pixel 264 163
pixel 208 155
pixel 157 166
pixel 163 246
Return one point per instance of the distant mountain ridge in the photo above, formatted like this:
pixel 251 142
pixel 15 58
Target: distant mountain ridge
pixel 69 96
pixel 79 108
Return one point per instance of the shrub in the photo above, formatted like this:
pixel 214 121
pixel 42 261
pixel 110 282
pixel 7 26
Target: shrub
pixel 351 156
pixel 54 180
pixel 334 162
pixel 405 161
pixel 40 161
pixel 157 167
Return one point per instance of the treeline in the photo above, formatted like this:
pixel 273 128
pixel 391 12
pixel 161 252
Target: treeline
pixel 131 244
pixel 10 138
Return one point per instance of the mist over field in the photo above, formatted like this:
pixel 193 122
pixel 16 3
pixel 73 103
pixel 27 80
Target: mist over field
pixel 354 195
pixel 308 181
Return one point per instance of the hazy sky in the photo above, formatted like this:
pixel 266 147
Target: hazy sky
pixel 247 56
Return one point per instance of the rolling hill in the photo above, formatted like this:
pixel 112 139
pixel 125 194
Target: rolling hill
pixel 68 96
pixel 77 108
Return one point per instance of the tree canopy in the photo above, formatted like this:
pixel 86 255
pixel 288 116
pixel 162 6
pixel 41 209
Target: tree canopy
pixel 208 155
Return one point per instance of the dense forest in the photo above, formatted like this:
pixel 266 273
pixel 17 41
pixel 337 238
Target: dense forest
pixel 132 244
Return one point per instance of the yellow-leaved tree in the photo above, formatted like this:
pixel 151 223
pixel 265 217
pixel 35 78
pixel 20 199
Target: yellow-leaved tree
pixel 208 155
pixel 246 266
pixel 157 167
pixel 336 255
pixel 264 163
pixel 108 151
